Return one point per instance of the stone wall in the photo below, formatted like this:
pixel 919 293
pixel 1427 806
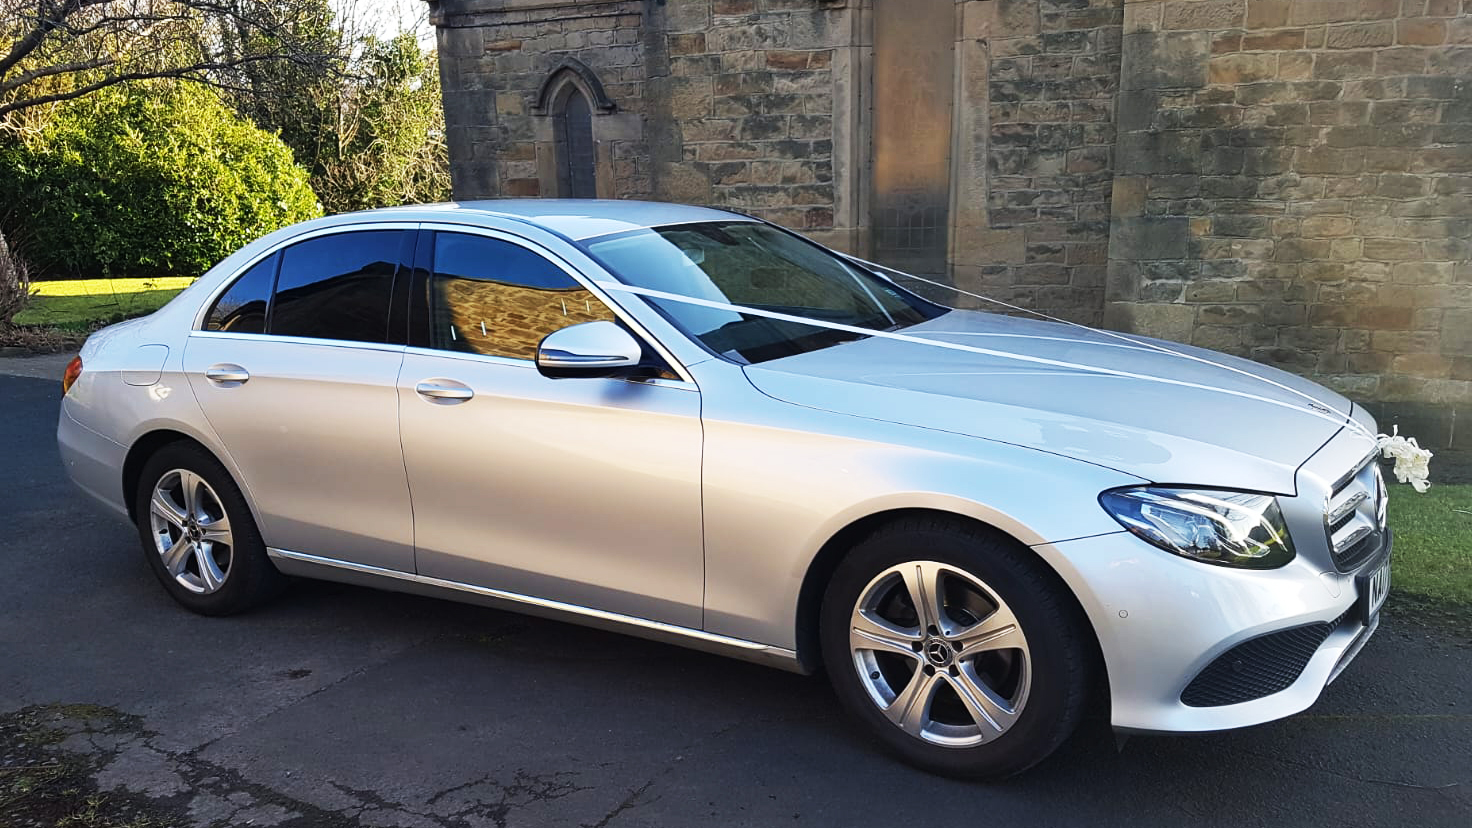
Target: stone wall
pixel 1037 234
pixel 1294 184
pixel 496 57
pixel 747 91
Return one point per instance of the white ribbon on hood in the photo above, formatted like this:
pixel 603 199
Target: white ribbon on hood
pixel 1338 418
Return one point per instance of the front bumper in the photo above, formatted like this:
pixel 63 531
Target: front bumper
pixel 1162 620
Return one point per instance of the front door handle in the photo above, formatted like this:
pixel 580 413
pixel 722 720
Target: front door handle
pixel 226 373
pixel 444 391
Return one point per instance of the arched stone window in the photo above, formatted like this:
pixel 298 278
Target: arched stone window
pixel 576 164
pixel 571 96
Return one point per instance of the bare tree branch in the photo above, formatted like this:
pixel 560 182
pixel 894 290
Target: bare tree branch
pixel 48 71
pixel 196 72
pixel 60 50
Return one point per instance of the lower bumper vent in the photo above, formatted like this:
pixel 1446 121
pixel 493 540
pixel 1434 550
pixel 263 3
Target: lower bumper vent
pixel 1258 667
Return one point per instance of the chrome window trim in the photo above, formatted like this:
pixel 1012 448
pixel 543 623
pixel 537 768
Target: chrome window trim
pixel 576 275
pixel 661 627
pixel 299 340
pixel 202 311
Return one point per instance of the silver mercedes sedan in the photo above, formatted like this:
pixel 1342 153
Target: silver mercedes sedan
pixel 698 427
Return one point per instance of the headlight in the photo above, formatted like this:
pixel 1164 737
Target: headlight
pixel 1229 528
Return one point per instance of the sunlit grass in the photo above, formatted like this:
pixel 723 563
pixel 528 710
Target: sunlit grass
pixel 1433 544
pixel 84 304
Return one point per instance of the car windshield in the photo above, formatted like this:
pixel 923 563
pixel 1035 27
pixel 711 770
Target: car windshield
pixel 760 267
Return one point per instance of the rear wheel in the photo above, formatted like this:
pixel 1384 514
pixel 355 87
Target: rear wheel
pixel 955 648
pixel 198 534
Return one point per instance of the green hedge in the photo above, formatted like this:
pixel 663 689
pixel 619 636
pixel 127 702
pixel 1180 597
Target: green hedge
pixel 149 180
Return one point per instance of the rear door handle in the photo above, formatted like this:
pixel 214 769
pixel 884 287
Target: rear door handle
pixel 226 372
pixel 444 391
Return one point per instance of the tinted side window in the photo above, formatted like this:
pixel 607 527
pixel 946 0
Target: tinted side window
pixel 242 307
pixel 496 298
pixel 338 287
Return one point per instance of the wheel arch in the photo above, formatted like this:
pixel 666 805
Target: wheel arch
pixel 146 446
pixel 823 564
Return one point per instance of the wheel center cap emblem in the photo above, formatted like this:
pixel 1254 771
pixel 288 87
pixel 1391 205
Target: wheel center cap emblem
pixel 938 653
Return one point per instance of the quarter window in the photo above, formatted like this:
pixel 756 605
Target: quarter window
pixel 242 308
pixel 338 287
pixel 496 298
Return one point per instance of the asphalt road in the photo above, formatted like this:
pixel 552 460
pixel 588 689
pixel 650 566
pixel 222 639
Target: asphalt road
pixel 340 705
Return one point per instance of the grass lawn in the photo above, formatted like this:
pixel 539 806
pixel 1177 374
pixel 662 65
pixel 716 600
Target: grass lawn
pixel 82 305
pixel 1432 565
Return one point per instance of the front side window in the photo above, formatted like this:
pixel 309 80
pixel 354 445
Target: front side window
pixel 496 298
pixel 762 268
pixel 338 286
pixel 242 308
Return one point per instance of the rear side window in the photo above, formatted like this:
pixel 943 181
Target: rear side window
pixel 492 297
pixel 338 287
pixel 242 308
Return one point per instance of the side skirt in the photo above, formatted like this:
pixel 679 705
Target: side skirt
pixel 331 569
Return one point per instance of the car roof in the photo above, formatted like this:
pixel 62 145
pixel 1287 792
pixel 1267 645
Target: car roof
pixel 577 218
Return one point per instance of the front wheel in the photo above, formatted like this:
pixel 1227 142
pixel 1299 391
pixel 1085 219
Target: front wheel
pixel 198 533
pixel 955 647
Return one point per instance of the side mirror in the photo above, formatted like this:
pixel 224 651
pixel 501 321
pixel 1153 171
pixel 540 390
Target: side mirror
pixel 592 349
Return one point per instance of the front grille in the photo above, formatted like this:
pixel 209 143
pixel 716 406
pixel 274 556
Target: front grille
pixel 1258 667
pixel 1354 521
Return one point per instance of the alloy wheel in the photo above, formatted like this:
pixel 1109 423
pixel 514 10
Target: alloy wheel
pixel 940 654
pixel 191 531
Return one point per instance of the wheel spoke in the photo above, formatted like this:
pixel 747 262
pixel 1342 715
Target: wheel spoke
pixel 870 632
pixel 165 508
pixel 189 486
pixel 177 555
pixel 216 531
pixel 911 708
pixel 992 713
pixel 922 580
pixel 998 631
pixel 209 571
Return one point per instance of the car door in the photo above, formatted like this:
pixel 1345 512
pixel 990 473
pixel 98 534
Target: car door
pixel 296 370
pixel 581 491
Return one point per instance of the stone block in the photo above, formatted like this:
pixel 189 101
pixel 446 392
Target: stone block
pixel 1422 273
pixel 1213 15
pixel 1149 237
pixel 1318 227
pixel 1360 35
pixel 688 16
pixel 1166 321
pixel 1456 332
pixel 732 7
pixel 1267 14
pixel 1016 18
pixel 1142 17
pixel 1295 66
pixel 510 103
pixel 1158 153
pixel 681 182
pixel 1165 60
pixel 1309 12
pixel 1287 39
pixel 692 43
pixel 1422 31
pixel 687 97
pixel 1404 61
pixel 1341 65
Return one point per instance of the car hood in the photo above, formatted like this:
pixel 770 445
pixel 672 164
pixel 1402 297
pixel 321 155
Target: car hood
pixel 1161 432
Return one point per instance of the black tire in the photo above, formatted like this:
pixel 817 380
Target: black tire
pixel 1058 663
pixel 250 579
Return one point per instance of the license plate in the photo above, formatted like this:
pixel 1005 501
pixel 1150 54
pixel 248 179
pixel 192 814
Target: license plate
pixel 1374 586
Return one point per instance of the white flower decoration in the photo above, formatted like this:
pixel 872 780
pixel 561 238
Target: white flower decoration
pixel 1412 463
